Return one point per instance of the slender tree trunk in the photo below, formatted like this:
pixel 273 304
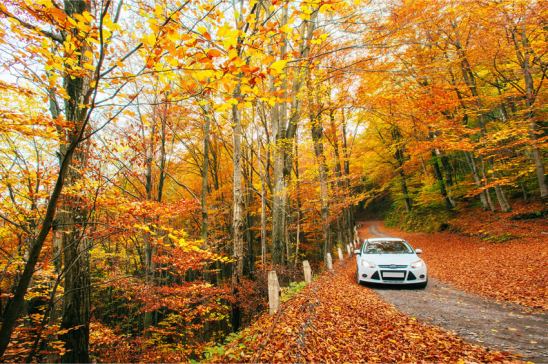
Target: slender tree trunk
pixel 284 129
pixel 237 211
pixel 469 156
pixel 470 81
pixel 316 129
pixel 530 97
pixel 14 306
pixel 205 167
pixel 237 219
pixel 263 206
pixel 405 190
pixel 149 246
pixel 346 169
pixel 298 192
pixel 341 218
pixel 439 176
pixel 279 200
pixel 399 155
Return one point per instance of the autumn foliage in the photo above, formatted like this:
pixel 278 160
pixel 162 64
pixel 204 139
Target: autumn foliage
pixel 336 320
pixel 158 157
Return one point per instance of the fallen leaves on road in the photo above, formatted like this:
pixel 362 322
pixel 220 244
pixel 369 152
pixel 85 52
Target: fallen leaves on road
pixel 513 271
pixel 335 320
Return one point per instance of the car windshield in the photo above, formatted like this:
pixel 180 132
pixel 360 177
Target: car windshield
pixel 387 247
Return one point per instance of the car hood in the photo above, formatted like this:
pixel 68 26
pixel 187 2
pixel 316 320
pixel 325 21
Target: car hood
pixel 399 259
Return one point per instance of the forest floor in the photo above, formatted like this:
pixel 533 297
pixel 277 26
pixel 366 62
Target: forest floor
pixel 501 325
pixel 335 320
pixel 465 314
pixel 490 254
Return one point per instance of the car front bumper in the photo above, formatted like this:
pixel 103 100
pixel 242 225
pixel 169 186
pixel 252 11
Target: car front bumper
pixel 392 276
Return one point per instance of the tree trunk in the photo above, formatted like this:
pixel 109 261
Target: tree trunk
pixel 263 207
pixel 530 97
pixel 284 129
pixel 399 155
pixel 316 129
pixel 346 169
pixel 237 212
pixel 75 253
pixel 341 218
pixel 75 245
pixel 205 167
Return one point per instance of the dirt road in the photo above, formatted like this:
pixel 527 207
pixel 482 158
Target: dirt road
pixel 476 319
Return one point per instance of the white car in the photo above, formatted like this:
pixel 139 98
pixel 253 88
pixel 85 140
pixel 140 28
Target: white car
pixel 390 261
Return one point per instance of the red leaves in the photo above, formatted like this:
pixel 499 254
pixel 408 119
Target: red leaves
pixel 335 320
pixel 498 258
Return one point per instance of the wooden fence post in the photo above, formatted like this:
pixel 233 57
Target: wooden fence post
pixel 329 261
pixel 341 257
pixel 273 292
pixel 307 271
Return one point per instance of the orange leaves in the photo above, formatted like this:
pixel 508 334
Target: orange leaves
pixel 334 319
pixel 487 255
pixel 213 53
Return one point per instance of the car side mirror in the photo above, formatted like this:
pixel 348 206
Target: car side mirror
pixel 357 252
pixel 418 251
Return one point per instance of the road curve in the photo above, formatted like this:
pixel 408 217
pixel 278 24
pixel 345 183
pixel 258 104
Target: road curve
pixel 476 319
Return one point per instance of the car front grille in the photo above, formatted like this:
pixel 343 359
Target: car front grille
pixel 411 276
pixel 392 266
pixel 385 278
pixel 375 275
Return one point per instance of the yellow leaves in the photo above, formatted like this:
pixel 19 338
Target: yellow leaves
pixel 277 67
pixel 228 36
pixel 45 3
pixel 320 39
pixel 201 29
pixel 222 107
pixel 204 32
pixel 158 11
pixel 149 40
pixel 203 75
pixel 286 28
pixel 87 16
pixel 89 66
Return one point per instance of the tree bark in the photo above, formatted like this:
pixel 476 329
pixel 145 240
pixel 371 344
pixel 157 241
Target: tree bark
pixel 530 97
pixel 75 245
pixel 205 168
pixel 316 129
pixel 284 129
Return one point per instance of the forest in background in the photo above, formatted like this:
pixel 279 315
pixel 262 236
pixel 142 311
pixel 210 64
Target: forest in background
pixel 157 157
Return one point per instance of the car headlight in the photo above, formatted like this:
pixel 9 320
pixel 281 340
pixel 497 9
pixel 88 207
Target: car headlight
pixel 417 264
pixel 367 264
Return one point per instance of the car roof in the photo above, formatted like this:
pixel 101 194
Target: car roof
pixel 372 240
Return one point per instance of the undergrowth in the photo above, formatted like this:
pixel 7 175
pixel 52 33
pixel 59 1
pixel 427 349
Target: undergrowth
pixel 243 336
pixel 420 218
